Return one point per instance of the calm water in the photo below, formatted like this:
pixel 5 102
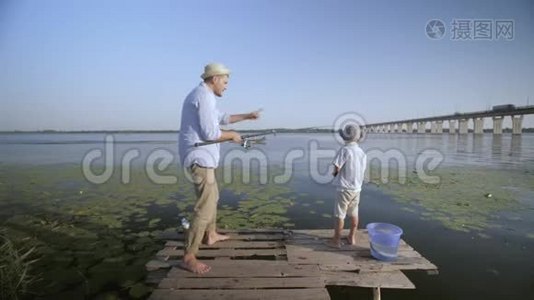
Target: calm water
pixel 471 267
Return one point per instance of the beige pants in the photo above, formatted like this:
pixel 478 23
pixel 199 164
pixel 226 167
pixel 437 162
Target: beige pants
pixel 205 211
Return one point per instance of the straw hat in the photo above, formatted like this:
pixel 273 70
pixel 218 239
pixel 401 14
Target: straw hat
pixel 214 69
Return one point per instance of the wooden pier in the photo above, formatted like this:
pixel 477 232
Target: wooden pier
pixel 279 264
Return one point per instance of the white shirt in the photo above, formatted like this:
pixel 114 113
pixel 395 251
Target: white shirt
pixel 352 161
pixel 200 123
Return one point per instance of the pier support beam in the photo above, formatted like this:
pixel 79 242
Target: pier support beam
pixel 463 126
pixel 452 126
pixel 409 127
pixel 497 124
pixel 439 127
pixel 421 127
pixel 517 124
pixel 479 125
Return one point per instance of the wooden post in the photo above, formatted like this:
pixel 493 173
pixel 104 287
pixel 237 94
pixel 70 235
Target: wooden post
pixel 376 293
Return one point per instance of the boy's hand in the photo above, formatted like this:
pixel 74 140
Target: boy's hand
pixel 336 171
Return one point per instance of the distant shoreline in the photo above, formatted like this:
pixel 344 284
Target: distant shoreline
pixel 278 130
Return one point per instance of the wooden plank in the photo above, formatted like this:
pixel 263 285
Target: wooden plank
pixel 259 294
pixel 241 283
pixel 224 252
pixel 362 237
pixel 392 279
pixel 155 264
pixel 320 245
pixel 231 244
pixel 301 255
pixel 356 260
pixel 246 236
pixel 250 268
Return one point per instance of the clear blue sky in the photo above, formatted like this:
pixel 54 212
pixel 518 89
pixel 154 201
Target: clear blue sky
pixel 92 65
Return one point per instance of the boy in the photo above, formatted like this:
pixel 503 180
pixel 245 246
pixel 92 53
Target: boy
pixel 350 163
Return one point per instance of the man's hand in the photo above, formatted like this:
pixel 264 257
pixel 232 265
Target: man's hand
pixel 254 115
pixel 242 117
pixel 236 137
pixel 230 135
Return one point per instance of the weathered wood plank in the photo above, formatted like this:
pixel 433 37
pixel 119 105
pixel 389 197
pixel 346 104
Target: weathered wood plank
pixel 231 244
pixel 259 294
pixel 250 268
pixel 391 279
pixel 356 260
pixel 156 264
pixel 320 245
pixel 224 252
pixel 362 237
pixel 233 236
pixel 241 283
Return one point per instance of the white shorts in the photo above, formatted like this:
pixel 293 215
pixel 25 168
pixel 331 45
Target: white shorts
pixel 347 202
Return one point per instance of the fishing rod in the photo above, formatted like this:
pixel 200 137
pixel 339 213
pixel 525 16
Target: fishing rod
pixel 247 139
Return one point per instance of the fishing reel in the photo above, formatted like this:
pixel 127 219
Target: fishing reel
pixel 247 143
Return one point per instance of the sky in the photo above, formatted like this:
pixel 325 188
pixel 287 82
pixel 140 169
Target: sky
pixel 128 65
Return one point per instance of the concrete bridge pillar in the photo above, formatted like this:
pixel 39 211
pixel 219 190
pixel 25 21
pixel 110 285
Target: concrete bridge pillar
pixel 433 127
pixel 409 127
pixel 479 125
pixel 421 127
pixel 463 129
pixel 439 127
pixel 517 124
pixel 399 127
pixel 452 126
pixel 497 124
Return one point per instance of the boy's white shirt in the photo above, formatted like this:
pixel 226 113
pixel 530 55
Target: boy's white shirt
pixel 352 161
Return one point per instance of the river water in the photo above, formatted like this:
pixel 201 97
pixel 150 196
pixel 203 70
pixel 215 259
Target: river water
pixel 493 263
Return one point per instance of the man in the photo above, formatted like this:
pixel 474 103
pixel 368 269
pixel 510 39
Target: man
pixel 200 122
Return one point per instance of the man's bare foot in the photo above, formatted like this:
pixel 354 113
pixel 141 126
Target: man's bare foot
pixel 351 240
pixel 334 243
pixel 213 238
pixel 195 266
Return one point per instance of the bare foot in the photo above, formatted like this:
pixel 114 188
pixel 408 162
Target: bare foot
pixel 334 243
pixel 195 266
pixel 351 240
pixel 211 239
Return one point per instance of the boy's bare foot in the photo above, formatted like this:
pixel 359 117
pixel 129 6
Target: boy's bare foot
pixel 195 266
pixel 351 240
pixel 210 239
pixel 334 243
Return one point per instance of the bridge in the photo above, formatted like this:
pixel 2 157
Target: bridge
pixel 497 114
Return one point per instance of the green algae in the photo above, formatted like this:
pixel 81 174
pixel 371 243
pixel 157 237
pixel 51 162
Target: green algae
pixel 94 239
pixel 463 199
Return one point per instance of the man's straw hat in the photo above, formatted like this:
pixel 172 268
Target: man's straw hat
pixel 214 69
